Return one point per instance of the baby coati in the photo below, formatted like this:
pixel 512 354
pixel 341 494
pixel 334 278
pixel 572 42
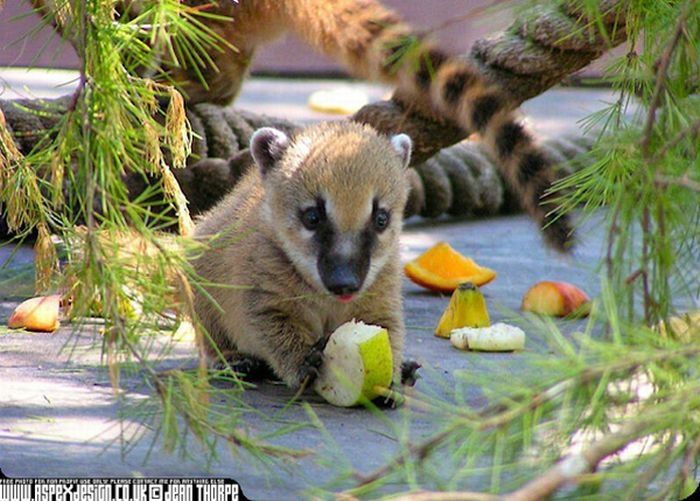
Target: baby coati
pixel 307 240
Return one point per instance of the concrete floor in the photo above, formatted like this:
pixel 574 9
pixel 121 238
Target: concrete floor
pixel 56 416
pixel 59 418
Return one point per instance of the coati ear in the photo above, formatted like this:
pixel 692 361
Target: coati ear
pixel 267 147
pixel 402 144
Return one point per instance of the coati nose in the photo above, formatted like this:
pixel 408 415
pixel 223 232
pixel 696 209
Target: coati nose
pixel 342 281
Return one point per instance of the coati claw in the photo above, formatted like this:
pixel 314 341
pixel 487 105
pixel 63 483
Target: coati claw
pixel 252 369
pixel 313 360
pixel 409 372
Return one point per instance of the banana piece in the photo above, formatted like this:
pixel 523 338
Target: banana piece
pixel 467 308
pixel 498 337
pixel 684 327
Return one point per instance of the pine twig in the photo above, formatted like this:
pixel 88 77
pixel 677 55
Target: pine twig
pixel 499 414
pixel 612 232
pixel 663 64
pixel 634 276
pixel 572 466
pixel 691 131
pixel 447 496
pixel 493 416
pixel 646 243
pixel 691 455
pixel 683 181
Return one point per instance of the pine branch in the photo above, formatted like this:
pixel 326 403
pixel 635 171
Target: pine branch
pixel 689 132
pixel 493 416
pixel 571 468
pixel 499 415
pixel 691 457
pixel 683 181
pixel 574 465
pixel 662 65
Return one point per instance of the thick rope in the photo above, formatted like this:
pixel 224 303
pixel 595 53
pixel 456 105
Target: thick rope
pixel 460 180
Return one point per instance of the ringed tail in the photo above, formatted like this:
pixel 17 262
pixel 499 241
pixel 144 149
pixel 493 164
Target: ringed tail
pixel 374 43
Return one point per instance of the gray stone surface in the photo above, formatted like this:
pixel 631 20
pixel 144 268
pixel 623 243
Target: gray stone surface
pixel 59 418
pixel 56 416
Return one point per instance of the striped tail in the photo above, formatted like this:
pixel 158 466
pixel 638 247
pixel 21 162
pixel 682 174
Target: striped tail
pixel 374 43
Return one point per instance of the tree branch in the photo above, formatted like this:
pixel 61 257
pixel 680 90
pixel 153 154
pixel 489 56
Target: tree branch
pixel 663 64
pixel 499 414
pixel 691 131
pixel 683 181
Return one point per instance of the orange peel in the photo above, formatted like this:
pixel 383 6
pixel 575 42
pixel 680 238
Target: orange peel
pixel 443 269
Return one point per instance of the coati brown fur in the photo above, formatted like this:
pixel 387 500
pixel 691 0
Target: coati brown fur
pixel 307 241
pixel 372 42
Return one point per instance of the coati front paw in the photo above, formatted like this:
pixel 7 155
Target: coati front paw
pixel 409 372
pixel 313 361
pixel 252 369
pixel 247 368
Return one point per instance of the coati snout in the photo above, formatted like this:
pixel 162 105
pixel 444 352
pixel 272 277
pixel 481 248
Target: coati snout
pixel 343 277
pixel 335 205
pixel 343 260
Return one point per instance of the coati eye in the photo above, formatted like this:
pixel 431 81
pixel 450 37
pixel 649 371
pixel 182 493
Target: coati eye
pixel 312 217
pixel 381 218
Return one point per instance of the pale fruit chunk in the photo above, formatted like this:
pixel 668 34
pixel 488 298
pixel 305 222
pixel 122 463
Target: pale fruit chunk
pixel 341 101
pixel 185 332
pixel 357 364
pixel 684 327
pixel 467 308
pixel 37 314
pixel 498 337
pixel 558 299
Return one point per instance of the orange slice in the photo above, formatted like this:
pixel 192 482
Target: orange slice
pixel 441 268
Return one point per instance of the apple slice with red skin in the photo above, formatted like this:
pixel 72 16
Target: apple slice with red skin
pixel 557 299
pixel 38 314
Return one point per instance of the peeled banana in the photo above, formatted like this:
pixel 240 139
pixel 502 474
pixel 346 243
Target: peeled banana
pixel 467 308
pixel 498 337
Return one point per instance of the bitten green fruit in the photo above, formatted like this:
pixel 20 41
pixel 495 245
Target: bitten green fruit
pixel 357 364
